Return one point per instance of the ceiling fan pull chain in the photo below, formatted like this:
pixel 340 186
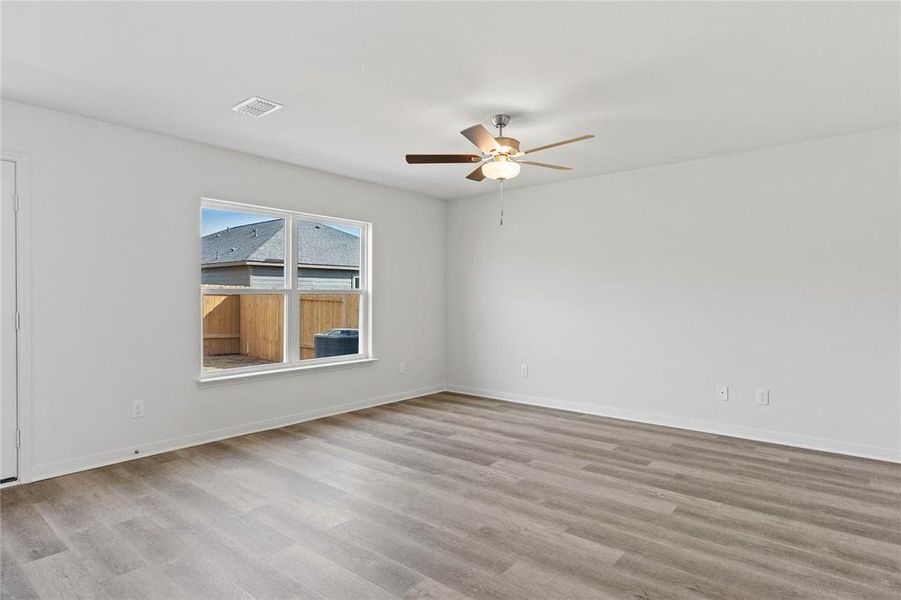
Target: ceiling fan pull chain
pixel 502 203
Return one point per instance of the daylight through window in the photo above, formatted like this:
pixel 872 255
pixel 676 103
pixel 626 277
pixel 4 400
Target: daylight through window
pixel 281 289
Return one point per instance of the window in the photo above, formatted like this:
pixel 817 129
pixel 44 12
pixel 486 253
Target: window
pixel 281 290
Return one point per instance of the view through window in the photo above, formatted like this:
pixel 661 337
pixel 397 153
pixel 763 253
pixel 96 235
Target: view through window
pixel 259 315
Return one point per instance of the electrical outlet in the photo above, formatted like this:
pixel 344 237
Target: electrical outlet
pixel 137 409
pixel 763 397
pixel 524 369
pixel 722 393
pixel 402 367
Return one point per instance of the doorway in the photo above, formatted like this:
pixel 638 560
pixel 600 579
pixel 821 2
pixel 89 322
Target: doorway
pixel 9 324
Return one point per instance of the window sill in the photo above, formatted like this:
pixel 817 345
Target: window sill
pixel 210 380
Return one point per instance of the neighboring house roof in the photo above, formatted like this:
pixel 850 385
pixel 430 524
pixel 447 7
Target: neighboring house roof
pixel 264 242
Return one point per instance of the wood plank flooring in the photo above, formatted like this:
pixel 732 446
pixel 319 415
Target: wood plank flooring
pixel 451 496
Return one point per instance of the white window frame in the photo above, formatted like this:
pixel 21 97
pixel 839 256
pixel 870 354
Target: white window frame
pixel 291 295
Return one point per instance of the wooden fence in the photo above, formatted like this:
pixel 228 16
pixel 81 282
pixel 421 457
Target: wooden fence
pixel 221 325
pixel 252 324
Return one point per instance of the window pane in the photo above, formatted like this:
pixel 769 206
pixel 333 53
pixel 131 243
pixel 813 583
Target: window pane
pixel 242 249
pixel 329 325
pixel 328 256
pixel 242 330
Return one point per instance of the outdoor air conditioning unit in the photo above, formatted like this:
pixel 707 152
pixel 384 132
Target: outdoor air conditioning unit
pixel 337 342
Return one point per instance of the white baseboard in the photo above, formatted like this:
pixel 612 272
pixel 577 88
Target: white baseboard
pixel 73 465
pixel 83 463
pixel 749 433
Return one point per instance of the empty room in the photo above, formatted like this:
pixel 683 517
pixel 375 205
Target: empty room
pixel 444 300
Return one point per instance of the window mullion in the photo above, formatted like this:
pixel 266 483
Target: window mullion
pixel 240 291
pixel 292 303
pixel 365 302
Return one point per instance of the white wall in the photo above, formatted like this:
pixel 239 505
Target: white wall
pixel 631 295
pixel 115 283
pixel 635 294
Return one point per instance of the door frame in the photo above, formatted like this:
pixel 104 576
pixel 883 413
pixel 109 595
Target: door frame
pixel 23 305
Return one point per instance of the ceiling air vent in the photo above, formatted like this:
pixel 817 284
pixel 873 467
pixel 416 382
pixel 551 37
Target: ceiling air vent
pixel 257 107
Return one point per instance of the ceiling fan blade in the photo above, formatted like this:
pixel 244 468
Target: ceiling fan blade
pixel 545 165
pixel 555 144
pixel 482 138
pixel 476 175
pixel 427 159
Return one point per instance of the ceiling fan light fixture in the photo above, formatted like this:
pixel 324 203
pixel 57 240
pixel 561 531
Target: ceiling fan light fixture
pixel 501 169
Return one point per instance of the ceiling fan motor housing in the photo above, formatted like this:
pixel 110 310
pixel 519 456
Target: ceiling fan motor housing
pixel 508 145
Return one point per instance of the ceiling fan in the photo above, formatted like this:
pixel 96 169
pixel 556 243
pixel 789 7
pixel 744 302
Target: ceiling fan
pixel 500 156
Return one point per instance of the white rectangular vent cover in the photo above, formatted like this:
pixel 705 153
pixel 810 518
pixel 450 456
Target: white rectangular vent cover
pixel 257 107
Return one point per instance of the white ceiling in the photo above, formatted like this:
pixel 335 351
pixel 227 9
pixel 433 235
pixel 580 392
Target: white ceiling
pixel 365 83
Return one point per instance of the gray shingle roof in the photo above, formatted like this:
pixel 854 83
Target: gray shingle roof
pixel 319 244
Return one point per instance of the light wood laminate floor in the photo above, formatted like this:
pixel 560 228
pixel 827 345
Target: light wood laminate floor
pixel 451 496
